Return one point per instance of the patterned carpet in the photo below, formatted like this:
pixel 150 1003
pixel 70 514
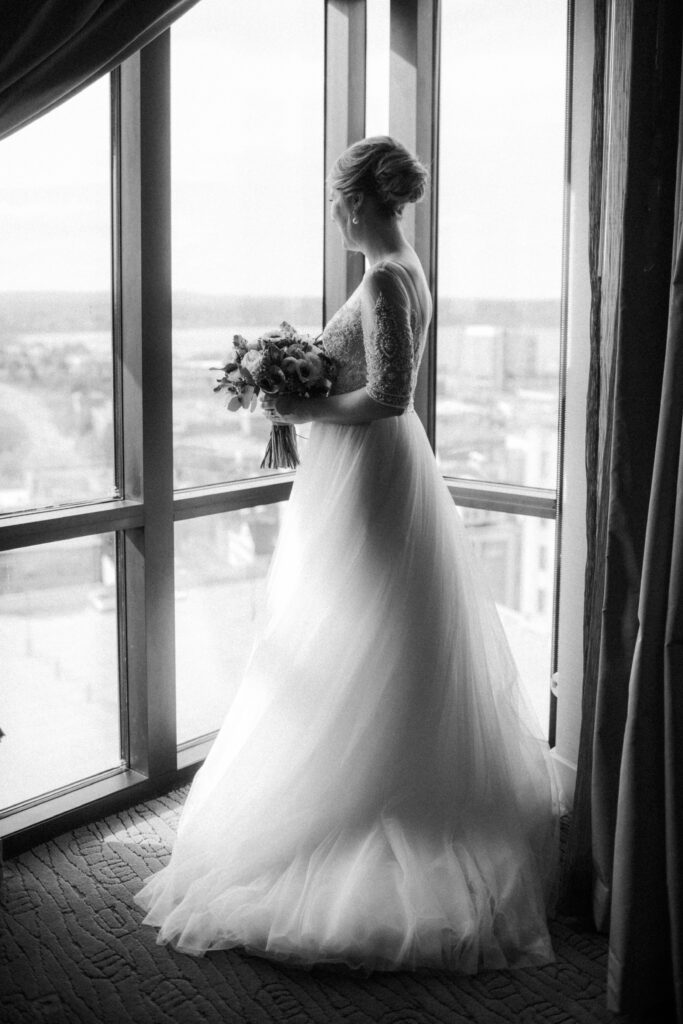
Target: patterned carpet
pixel 72 950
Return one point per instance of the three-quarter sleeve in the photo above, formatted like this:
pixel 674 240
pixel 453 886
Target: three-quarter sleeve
pixel 388 335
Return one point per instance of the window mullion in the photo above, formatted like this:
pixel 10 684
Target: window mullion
pixel 145 305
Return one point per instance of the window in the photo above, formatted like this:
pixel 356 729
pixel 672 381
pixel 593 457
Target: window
pixel 135 522
pixel 507 548
pixel 246 170
pixel 56 366
pixel 500 274
pixel 247 241
pixel 378 67
pixel 500 239
pixel 221 565
pixel 58 610
pixel 58 634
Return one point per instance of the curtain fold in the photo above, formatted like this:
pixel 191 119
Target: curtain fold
pixel 53 48
pixel 646 929
pixel 624 854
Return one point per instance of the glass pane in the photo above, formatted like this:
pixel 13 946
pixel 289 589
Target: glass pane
pixel 60 690
pixel 517 555
pixel 377 69
pixel 56 422
pixel 502 111
pixel 247 168
pixel 221 564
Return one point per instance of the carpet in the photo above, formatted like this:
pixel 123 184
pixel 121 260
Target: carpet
pixel 72 951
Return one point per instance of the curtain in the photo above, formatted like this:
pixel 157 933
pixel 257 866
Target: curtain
pixel 625 851
pixel 53 48
pixel 646 934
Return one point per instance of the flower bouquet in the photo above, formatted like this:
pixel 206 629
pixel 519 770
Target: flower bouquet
pixel 280 362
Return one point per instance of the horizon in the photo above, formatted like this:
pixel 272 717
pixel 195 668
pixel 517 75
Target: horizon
pixel 267 296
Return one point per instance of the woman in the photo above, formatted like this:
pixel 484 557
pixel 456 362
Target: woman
pixel 379 793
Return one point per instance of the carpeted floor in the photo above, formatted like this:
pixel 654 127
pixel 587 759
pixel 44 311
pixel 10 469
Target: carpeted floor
pixel 72 950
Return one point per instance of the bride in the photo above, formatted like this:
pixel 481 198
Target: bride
pixel 380 793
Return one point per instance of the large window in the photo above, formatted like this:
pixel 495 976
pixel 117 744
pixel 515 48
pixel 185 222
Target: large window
pixel 500 239
pixel 58 618
pixel 221 566
pixel 56 368
pixel 60 685
pixel 247 170
pixel 500 273
pixel 183 202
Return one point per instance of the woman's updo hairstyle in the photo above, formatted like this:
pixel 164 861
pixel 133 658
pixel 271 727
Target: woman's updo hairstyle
pixel 383 168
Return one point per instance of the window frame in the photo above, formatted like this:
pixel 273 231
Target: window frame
pixel 144 517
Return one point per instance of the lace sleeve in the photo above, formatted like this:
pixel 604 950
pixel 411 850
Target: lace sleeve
pixel 388 338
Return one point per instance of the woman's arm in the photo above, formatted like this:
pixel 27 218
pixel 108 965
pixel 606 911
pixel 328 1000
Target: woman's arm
pixel 349 408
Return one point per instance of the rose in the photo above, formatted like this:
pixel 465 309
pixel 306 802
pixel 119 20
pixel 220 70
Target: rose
pixel 308 369
pixel 295 351
pixel 250 365
pixel 272 356
pixel 272 380
pixel 312 369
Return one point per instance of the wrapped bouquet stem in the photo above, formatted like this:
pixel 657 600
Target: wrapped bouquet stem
pixel 280 362
pixel 281 451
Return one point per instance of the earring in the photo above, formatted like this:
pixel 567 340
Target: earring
pixel 354 219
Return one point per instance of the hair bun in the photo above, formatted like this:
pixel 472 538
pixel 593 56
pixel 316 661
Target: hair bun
pixel 399 179
pixel 382 167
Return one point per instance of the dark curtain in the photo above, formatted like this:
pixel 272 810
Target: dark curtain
pixel 625 851
pixel 50 49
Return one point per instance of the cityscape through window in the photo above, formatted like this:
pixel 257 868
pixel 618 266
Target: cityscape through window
pixel 500 210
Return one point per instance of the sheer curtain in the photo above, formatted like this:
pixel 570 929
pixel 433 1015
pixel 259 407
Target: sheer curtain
pixel 53 48
pixel 625 851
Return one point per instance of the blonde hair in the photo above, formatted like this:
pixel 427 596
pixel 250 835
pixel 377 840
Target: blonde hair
pixel 381 167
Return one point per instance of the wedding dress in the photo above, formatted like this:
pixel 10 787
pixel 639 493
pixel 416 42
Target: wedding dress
pixel 380 793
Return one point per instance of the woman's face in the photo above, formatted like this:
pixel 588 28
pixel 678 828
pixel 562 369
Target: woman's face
pixel 340 211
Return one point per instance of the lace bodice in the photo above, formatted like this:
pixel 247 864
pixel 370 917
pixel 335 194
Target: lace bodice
pixel 377 338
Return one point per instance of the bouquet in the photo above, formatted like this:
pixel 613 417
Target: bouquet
pixel 280 362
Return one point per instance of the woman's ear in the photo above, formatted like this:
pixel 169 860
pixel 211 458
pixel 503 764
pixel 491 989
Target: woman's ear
pixel 356 202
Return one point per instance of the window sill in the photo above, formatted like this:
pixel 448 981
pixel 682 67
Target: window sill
pixel 27 827
pixel 517 500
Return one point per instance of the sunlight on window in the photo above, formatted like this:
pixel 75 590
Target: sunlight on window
pixel 60 691
pixel 510 550
pixel 221 564
pixel 377 72
pixel 247 173
pixel 56 368
pixel 500 239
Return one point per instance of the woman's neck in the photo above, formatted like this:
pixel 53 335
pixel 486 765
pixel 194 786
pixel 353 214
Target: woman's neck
pixel 383 238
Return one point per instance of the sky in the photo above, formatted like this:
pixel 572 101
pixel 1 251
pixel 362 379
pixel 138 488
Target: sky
pixel 247 155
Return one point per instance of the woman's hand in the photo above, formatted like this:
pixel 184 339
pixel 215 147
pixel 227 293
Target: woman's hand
pixel 285 410
pixel 348 409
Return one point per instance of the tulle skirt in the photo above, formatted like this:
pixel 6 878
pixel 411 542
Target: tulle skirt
pixel 380 793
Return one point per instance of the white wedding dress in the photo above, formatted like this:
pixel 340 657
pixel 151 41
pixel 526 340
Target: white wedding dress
pixel 380 793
